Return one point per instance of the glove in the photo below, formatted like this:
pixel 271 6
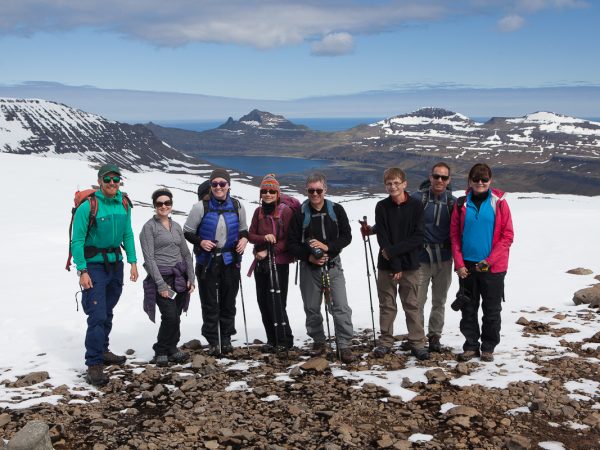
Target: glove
pixel 365 230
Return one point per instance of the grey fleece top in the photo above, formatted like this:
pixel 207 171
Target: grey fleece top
pixel 162 247
pixel 197 213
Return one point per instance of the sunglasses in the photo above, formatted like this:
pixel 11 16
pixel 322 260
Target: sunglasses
pixel 165 203
pixel 478 179
pixel 116 179
pixel 220 184
pixel 314 191
pixel 437 176
pixel 268 191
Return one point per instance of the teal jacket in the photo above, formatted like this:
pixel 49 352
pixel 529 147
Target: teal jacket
pixel 113 227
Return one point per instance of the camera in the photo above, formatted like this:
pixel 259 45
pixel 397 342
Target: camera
pixel 461 300
pixel 316 252
pixel 483 266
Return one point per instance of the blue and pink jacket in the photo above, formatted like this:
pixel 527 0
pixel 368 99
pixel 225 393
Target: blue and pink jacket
pixel 502 238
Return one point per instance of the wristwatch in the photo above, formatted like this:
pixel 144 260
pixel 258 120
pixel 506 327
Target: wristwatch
pixel 81 272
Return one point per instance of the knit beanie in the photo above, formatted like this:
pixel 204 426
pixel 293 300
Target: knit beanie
pixel 220 173
pixel 160 192
pixel 270 182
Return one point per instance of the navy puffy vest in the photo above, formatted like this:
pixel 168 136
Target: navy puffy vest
pixel 208 228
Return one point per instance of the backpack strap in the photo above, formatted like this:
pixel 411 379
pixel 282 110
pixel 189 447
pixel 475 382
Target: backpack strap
pixel 424 197
pixel 308 215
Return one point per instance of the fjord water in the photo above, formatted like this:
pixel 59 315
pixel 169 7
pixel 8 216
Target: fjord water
pixel 316 124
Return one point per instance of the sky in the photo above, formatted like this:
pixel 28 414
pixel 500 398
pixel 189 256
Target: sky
pixel 290 49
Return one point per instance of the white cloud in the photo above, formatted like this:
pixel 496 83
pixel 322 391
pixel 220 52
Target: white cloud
pixel 334 44
pixel 510 23
pixel 258 23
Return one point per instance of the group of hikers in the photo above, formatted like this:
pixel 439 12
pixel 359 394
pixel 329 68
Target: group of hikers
pixel 419 237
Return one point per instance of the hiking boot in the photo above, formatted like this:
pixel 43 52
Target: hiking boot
pixel 420 353
pixel 405 346
pixel 161 360
pixel 487 356
pixel 467 355
pixel 319 348
pixel 381 351
pixel 96 376
pixel 110 358
pixel 434 344
pixel 347 356
pixel 267 348
pixel 179 357
pixel 213 350
pixel 226 348
pixel 280 349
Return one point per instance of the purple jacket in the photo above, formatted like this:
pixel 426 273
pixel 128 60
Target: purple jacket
pixel 179 272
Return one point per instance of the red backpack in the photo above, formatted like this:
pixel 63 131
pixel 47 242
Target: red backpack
pixel 292 202
pixel 89 195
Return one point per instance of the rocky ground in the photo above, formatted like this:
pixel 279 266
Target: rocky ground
pixel 253 400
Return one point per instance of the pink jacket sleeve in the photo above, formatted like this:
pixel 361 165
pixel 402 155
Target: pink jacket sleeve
pixel 456 226
pixel 503 238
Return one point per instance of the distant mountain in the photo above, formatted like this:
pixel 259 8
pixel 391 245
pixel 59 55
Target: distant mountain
pixel 257 132
pixel 543 151
pixel 257 120
pixel 52 129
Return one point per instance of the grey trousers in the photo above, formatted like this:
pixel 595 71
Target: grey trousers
pixel 407 287
pixel 310 288
pixel 440 276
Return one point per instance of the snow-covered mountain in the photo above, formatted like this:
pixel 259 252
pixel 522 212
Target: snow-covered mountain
pixel 55 130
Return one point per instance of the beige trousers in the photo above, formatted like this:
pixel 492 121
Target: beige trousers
pixel 407 288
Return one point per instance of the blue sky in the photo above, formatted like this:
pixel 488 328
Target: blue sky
pixel 293 49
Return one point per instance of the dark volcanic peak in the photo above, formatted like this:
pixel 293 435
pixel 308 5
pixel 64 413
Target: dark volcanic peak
pixel 261 120
pixel 53 129
pixel 431 113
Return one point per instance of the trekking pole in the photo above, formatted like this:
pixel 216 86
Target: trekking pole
pixel 244 314
pixel 369 283
pixel 368 240
pixel 218 314
pixel 326 284
pixel 212 261
pixel 272 290
pixel 283 324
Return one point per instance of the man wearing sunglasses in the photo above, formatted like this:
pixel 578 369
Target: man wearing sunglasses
pixel 217 227
pixel 435 257
pixel 317 235
pixel 97 254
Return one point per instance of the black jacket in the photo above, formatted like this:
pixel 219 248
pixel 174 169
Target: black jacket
pixel 337 236
pixel 400 233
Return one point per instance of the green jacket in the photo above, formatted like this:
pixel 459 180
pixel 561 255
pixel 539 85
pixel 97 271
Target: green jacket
pixel 113 227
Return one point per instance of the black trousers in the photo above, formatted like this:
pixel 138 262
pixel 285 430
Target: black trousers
pixel 218 287
pixel 486 288
pixel 170 320
pixel 272 306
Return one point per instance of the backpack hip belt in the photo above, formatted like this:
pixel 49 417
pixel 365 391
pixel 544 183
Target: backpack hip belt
pixel 90 251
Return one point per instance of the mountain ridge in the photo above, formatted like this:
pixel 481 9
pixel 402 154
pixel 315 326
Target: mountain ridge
pixel 37 126
pixel 535 151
